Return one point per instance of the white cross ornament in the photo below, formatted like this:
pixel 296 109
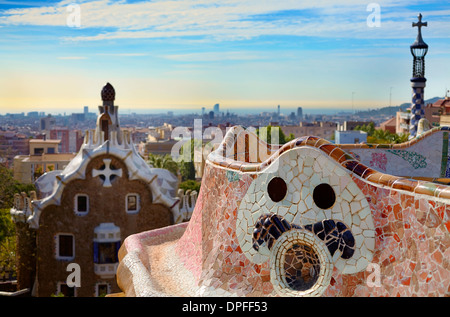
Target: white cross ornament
pixel 107 172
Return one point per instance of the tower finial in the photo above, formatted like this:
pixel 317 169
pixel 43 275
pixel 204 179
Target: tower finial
pixel 108 93
pixel 419 26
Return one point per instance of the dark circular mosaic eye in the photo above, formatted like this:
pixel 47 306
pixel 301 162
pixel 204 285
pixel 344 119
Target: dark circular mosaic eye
pixel 277 189
pixel 324 196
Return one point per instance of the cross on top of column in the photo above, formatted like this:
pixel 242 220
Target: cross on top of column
pixel 419 24
pixel 107 173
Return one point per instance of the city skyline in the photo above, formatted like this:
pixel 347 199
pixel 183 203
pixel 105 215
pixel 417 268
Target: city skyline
pixel 241 54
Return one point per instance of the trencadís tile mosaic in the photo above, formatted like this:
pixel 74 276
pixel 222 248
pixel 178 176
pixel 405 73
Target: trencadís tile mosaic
pixel 304 219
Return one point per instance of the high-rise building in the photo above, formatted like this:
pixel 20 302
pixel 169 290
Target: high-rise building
pixel 71 140
pixel 216 109
pixel 300 113
pixel 47 123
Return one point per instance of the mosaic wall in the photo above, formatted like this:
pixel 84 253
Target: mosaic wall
pixel 309 220
pixel 424 156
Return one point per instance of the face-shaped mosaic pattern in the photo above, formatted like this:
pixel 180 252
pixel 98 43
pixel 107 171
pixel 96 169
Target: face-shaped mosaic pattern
pixel 306 192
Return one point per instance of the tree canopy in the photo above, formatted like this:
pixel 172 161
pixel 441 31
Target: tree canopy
pixel 265 134
pixel 379 136
pixel 8 187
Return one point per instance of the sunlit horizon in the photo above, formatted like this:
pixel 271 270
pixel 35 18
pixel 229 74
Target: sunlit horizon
pixel 240 54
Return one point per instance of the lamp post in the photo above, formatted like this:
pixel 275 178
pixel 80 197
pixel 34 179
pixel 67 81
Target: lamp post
pixel 390 96
pixel 418 50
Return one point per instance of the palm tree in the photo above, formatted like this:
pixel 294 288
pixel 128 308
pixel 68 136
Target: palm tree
pixel 163 161
pixel 380 136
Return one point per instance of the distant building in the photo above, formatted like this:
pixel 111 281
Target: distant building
pixel 350 137
pixel 292 116
pixel 12 144
pixel 47 123
pixel 39 147
pixel 389 125
pixel 321 129
pixel 433 114
pixel 438 113
pixel 34 114
pixel 158 141
pixel 139 135
pixel 351 125
pixel 299 113
pixel 71 140
pixel 44 157
pixel 402 120
pixel 157 147
pixel 216 109
pixel 78 117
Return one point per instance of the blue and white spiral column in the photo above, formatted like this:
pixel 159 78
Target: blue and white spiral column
pixel 417 107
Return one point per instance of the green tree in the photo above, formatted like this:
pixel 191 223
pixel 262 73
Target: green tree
pixel 290 137
pixel 8 253
pixel 186 165
pixel 369 128
pixel 265 134
pixel 190 185
pixel 163 161
pixel 379 136
pixel 6 225
pixel 184 168
pixel 9 186
pixel 187 170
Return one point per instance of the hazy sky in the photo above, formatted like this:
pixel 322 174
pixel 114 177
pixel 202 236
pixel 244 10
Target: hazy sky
pixel 195 53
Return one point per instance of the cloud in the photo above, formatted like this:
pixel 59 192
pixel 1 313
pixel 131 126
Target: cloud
pixel 222 20
pixel 122 54
pixel 217 56
pixel 72 57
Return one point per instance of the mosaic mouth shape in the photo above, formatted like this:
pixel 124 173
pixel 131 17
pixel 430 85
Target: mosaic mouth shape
pixel 304 219
pixel 300 267
pixel 335 234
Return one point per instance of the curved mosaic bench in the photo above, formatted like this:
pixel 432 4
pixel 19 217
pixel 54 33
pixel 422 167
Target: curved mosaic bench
pixel 424 156
pixel 304 219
